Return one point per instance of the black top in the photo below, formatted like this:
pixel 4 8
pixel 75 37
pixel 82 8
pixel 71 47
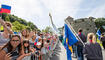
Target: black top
pixel 93 51
pixel 103 39
pixel 14 54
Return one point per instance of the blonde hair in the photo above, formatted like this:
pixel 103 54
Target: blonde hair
pixel 9 23
pixel 91 36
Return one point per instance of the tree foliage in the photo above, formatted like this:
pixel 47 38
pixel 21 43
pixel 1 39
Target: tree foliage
pixel 47 29
pixel 99 23
pixel 7 18
pixel 60 30
pixel 18 23
pixel 18 26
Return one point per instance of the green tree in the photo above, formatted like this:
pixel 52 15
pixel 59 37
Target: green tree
pixel 60 30
pixel 18 23
pixel 17 26
pixel 31 25
pixel 7 18
pixel 47 29
pixel 43 30
pixel 12 19
pixel 4 15
pixel 99 23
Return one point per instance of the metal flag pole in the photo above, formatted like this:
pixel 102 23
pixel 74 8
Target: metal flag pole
pixel 75 33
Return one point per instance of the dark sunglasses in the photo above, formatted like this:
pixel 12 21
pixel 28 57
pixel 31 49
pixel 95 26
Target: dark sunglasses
pixel 15 40
pixel 8 25
pixel 25 41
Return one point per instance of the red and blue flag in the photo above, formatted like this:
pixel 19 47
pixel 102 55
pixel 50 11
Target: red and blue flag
pixel 5 9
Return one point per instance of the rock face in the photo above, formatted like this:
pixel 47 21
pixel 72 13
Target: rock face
pixel 87 24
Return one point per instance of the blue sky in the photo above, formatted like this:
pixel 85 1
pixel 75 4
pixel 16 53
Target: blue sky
pixel 37 11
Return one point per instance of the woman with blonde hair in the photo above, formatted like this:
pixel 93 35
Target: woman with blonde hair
pixel 91 38
pixel 92 49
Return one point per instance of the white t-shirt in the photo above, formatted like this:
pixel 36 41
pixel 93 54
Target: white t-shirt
pixel 44 50
pixel 3 40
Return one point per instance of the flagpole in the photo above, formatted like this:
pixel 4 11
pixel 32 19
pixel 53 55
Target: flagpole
pixel 75 33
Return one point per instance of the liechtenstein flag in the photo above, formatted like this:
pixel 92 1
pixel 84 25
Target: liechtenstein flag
pixel 5 9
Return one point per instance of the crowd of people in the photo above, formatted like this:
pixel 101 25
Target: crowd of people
pixel 90 50
pixel 33 45
pixel 25 45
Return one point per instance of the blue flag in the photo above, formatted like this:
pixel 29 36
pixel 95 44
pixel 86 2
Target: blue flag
pixel 70 39
pixel 99 34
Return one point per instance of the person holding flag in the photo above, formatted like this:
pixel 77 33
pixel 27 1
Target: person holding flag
pixel 70 39
pixel 80 45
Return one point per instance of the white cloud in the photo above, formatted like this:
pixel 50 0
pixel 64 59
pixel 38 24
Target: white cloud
pixel 98 12
pixel 62 6
pixel 60 9
pixel 37 10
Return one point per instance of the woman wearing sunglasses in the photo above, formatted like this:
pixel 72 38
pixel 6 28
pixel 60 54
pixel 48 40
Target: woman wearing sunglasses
pixel 12 50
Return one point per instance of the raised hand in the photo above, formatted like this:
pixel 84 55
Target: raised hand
pixel 8 57
pixel 2 22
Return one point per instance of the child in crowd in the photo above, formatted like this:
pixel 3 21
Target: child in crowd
pixel 27 51
pixel 45 49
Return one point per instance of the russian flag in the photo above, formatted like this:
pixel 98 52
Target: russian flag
pixel 5 9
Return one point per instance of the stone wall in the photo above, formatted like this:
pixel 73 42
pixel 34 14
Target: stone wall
pixel 87 24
